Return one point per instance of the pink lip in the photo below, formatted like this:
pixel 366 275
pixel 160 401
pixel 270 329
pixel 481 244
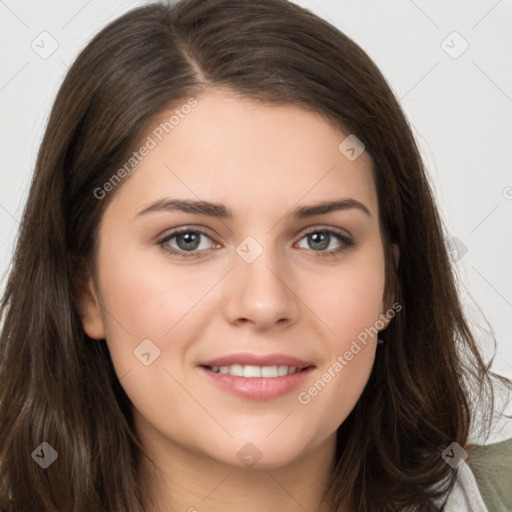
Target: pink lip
pixel 247 359
pixel 258 388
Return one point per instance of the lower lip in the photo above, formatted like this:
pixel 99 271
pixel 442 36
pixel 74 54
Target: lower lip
pixel 258 388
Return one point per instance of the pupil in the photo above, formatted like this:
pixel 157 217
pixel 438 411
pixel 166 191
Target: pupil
pixel 320 238
pixel 191 240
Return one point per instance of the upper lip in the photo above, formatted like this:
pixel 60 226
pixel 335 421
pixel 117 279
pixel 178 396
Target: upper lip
pixel 246 359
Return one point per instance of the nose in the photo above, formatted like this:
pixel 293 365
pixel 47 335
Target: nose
pixel 262 293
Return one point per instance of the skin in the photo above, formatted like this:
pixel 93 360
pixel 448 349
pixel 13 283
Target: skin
pixel 261 161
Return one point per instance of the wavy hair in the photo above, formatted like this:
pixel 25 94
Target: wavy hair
pixel 59 386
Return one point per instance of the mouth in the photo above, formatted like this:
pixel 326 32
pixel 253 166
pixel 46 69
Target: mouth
pixel 257 377
pixel 252 371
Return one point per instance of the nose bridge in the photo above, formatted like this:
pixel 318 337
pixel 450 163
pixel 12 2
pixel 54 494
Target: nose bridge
pixel 259 262
pixel 260 293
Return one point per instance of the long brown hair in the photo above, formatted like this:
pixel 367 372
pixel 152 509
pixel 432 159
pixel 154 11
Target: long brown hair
pixel 59 386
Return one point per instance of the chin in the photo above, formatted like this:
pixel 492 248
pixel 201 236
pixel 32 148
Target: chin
pixel 261 453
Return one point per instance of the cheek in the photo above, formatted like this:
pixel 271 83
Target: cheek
pixel 150 311
pixel 146 308
pixel 336 390
pixel 344 372
pixel 350 305
pixel 148 297
pixel 349 300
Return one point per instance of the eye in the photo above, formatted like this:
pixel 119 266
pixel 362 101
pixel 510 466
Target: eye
pixel 187 240
pixel 320 239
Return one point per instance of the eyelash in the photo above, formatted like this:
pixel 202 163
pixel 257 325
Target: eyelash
pixel 346 242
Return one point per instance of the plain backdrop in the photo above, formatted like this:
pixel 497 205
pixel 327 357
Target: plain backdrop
pixel 449 63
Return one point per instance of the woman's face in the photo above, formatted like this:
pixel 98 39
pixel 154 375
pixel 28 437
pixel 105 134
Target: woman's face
pixel 268 286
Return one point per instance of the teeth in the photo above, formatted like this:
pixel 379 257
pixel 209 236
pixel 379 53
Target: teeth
pixel 255 371
pixel 252 371
pixel 236 369
pixel 283 370
pixel 271 371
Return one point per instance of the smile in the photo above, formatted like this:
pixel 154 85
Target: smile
pixel 249 371
pixel 257 382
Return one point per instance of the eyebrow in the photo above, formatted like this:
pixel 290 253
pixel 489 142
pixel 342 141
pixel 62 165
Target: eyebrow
pixel 221 211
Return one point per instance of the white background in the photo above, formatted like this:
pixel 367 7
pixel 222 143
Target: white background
pixel 460 108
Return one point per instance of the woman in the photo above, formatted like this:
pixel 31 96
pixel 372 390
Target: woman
pixel 231 288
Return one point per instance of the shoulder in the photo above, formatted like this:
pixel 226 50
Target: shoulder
pixel 484 479
pixel 491 466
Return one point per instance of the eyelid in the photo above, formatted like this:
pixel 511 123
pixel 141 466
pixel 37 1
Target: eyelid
pixel 203 230
pixel 319 227
pixel 185 229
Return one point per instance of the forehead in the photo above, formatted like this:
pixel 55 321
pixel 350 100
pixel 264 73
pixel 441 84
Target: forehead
pixel 243 152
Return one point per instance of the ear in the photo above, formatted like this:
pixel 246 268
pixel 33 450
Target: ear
pixel 90 308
